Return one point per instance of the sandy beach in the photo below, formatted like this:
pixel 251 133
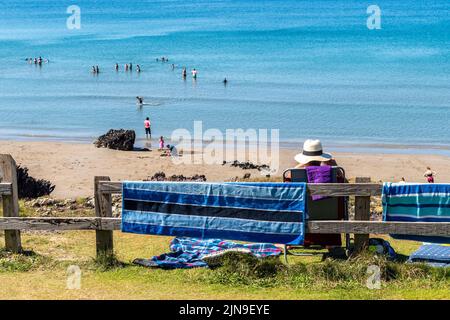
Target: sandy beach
pixel 72 167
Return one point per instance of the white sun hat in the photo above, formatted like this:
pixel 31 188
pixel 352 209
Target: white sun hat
pixel 312 151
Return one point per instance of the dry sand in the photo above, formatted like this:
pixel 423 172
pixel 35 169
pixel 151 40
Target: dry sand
pixel 72 167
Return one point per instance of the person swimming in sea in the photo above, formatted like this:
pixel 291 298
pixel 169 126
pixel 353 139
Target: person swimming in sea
pixel 131 67
pixel 225 81
pixel 194 73
pixel 94 71
pixel 116 67
pixel 97 70
pixel 138 68
pixel 184 73
pixel 139 100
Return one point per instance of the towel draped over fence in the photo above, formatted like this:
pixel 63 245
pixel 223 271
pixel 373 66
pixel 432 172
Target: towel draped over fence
pixel 417 203
pixel 254 212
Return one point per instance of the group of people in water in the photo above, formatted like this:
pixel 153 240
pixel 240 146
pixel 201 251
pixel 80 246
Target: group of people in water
pixel 95 70
pixel 128 67
pixel 37 61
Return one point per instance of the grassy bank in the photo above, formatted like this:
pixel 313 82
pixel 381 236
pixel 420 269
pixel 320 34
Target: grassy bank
pixel 42 274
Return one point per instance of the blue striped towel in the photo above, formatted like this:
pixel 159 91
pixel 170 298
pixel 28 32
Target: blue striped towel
pixel 417 203
pixel 254 212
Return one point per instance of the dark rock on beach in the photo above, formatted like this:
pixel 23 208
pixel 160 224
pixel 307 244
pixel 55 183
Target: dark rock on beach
pixel 117 140
pixel 248 165
pixel 161 176
pixel 30 187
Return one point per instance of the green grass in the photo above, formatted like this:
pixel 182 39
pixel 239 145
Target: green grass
pixel 42 274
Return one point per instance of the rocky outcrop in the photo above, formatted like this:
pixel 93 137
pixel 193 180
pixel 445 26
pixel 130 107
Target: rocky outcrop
pixel 72 207
pixel 161 176
pixel 117 140
pixel 30 187
pixel 248 165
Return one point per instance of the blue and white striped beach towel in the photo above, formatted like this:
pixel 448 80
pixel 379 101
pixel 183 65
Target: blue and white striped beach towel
pixel 417 203
pixel 254 212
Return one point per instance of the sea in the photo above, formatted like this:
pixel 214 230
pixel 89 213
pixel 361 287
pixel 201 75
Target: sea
pixel 339 71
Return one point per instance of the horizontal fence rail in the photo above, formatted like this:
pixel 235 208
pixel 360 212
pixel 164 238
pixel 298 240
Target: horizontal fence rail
pixel 324 226
pixel 5 189
pixel 323 189
pixel 104 224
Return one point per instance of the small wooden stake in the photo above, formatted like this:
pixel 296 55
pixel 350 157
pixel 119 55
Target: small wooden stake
pixel 362 213
pixel 103 208
pixel 8 174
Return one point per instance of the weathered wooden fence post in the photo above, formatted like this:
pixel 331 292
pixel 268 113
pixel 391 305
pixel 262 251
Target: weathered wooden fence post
pixel 8 174
pixel 362 213
pixel 103 208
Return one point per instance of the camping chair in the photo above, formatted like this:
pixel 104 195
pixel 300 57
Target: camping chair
pixel 333 208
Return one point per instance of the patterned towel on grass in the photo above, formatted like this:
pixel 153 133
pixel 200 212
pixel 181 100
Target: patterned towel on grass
pixel 417 203
pixel 253 212
pixel 432 254
pixel 187 252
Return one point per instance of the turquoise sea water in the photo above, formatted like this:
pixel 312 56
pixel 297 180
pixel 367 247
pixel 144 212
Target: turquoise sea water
pixel 308 68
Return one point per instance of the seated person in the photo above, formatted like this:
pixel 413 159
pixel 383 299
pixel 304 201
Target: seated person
pixel 313 155
pixel 170 152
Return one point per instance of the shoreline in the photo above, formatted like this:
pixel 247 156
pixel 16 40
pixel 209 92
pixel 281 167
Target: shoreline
pixel 73 166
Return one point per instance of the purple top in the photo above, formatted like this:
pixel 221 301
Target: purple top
pixel 318 174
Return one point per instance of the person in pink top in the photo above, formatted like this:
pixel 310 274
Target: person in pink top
pixel 161 143
pixel 148 131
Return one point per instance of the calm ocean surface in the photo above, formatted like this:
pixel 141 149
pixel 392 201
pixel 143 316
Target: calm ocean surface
pixel 308 68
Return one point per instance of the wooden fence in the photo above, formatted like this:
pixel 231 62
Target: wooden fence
pixel 104 224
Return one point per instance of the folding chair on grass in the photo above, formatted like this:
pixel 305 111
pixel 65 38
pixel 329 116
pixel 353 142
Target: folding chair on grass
pixel 333 208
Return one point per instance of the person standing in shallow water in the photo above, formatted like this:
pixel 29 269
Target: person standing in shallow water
pixel 184 73
pixel 148 131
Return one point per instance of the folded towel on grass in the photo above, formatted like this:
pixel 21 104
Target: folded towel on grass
pixel 432 254
pixel 188 253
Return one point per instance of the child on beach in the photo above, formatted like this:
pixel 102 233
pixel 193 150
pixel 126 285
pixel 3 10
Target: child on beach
pixel 161 143
pixel 429 174
pixel 148 131
pixel 170 152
